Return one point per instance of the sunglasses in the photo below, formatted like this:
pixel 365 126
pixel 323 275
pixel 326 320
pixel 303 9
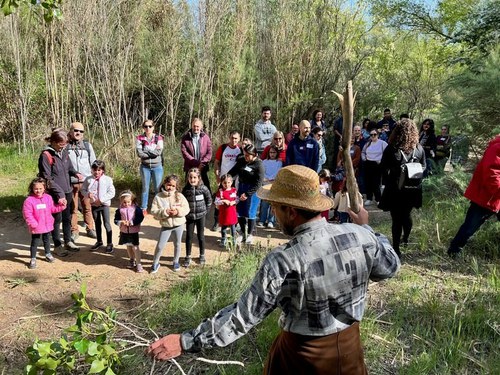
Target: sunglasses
pixel 373 134
pixel 148 126
pixel 319 135
pixel 278 139
pixel 78 131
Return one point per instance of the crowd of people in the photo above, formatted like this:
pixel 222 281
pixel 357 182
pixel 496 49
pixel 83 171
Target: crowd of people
pixel 71 175
pixel 319 278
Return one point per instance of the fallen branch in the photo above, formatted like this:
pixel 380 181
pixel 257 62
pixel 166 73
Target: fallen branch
pixel 201 359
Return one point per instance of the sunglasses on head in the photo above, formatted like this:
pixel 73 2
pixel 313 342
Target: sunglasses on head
pixel 78 131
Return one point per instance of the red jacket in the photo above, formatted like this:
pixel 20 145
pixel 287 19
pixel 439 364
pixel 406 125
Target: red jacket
pixel 484 188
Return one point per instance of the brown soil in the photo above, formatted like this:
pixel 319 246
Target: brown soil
pixel 33 303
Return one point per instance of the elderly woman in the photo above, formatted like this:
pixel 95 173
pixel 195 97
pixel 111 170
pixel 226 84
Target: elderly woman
pixel 149 147
pixel 251 177
pixel 279 142
pixel 55 166
pixel 403 146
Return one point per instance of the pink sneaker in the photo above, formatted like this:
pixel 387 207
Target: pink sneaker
pixel 139 268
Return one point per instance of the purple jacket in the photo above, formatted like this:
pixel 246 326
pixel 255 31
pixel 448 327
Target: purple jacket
pixel 188 155
pixel 37 213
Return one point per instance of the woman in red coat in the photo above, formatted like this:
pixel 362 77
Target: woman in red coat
pixel 484 193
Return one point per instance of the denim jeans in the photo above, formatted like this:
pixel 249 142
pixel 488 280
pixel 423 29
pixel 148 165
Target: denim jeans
pixel 146 173
pixel 266 213
pixel 476 216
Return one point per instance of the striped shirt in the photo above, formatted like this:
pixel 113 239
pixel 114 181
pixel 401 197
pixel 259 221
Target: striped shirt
pixel 319 281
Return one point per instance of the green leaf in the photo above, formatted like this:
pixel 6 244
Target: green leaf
pixel 81 346
pixel 109 371
pixel 70 362
pixel 44 348
pixel 97 366
pixel 83 290
pixel 93 348
pixel 108 349
pixel 52 364
pixel 30 370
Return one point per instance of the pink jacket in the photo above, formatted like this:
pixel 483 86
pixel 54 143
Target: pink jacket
pixel 38 213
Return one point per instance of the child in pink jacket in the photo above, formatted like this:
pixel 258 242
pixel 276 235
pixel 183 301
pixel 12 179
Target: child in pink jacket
pixel 37 212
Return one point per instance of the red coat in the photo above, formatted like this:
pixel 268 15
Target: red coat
pixel 227 214
pixel 484 188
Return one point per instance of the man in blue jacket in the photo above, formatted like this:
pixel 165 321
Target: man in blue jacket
pixel 303 149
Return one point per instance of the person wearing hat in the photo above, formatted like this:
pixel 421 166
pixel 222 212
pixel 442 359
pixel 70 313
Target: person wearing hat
pixel 319 280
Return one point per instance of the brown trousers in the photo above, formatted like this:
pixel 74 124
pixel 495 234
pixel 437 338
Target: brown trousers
pixel 86 210
pixel 336 354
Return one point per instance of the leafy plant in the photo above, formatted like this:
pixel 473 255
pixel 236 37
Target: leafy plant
pixel 75 276
pixel 18 281
pixel 89 345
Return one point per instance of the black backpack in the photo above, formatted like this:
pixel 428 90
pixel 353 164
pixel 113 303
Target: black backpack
pixel 411 173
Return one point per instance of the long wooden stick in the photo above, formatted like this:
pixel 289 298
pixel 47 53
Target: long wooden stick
pixel 347 101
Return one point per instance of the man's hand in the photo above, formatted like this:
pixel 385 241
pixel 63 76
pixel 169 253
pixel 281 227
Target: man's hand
pixel 359 218
pixel 167 347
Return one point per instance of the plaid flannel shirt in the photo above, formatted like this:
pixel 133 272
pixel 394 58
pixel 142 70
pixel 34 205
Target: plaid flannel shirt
pixel 319 280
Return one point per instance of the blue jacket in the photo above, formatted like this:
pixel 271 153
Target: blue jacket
pixel 303 152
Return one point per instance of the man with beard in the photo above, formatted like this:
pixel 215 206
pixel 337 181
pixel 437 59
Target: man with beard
pixel 319 280
pixel 303 149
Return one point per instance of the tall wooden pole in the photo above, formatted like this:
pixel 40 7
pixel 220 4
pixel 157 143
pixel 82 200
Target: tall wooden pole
pixel 347 101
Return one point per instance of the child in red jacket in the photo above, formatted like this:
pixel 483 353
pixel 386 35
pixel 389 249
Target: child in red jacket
pixel 37 212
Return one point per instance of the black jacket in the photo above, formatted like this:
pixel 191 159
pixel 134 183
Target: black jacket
pixel 199 199
pixel 390 165
pixel 56 169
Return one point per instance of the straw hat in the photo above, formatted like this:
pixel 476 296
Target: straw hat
pixel 296 186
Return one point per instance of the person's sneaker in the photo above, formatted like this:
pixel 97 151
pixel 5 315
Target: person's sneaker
pixel 145 212
pixel 74 236
pixel 215 227
pixel 131 264
pixel 222 243
pixel 32 264
pixel 49 258
pixel 368 202
pixel 155 267
pixel 109 248
pixel 60 252
pixel 139 268
pixel 270 225
pixel 202 260
pixel 249 240
pixel 239 239
pixel 91 233
pixel 177 266
pixel 260 224
pixel 71 246
pixel 187 262
pixel 96 246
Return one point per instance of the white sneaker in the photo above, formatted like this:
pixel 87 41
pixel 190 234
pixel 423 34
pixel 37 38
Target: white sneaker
pixel 260 224
pixel 239 239
pixel 368 202
pixel 270 225
pixel 249 240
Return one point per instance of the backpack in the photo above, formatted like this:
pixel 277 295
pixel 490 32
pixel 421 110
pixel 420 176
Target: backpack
pixel 411 174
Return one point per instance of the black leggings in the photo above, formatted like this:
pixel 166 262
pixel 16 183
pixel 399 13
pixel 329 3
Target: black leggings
pixel 35 240
pixel 65 217
pixel 200 231
pixel 100 215
pixel 401 223
pixel 372 180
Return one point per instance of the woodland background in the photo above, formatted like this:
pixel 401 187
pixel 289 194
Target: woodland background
pixel 113 63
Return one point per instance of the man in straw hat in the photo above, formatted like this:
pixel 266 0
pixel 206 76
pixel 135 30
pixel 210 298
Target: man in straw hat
pixel 318 279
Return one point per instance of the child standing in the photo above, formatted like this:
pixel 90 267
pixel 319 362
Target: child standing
pixel 170 208
pixel 226 200
pixel 199 199
pixel 342 203
pixel 271 167
pixel 100 190
pixel 129 217
pixel 37 212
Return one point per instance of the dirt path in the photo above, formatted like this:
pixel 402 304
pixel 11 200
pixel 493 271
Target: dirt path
pixel 27 297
